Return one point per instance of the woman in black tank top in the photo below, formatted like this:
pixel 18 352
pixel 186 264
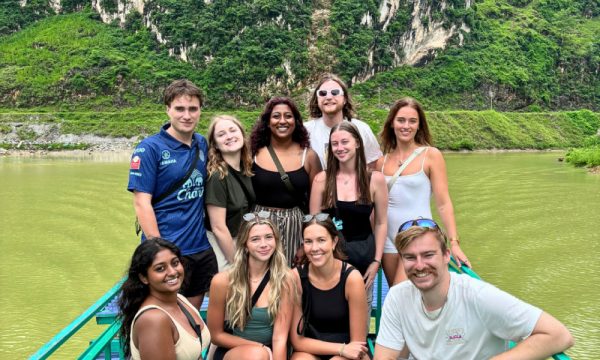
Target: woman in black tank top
pixel 330 319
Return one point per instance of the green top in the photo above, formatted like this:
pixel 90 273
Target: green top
pixel 258 328
pixel 228 193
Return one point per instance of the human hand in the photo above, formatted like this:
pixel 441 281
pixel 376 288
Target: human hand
pixel 370 273
pixel 354 350
pixel 459 255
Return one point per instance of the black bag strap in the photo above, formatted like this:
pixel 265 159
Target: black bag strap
pixel 260 288
pixel 306 303
pixel 178 184
pixel 250 199
pixel 192 322
pixel 284 176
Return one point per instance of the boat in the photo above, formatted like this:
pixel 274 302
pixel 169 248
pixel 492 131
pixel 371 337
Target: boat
pixel 108 345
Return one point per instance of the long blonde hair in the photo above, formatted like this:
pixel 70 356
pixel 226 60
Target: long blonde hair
pixel 237 308
pixel 215 158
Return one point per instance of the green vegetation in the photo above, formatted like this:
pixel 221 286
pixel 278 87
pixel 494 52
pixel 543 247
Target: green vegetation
pixel 586 155
pixel 510 55
pixel 452 130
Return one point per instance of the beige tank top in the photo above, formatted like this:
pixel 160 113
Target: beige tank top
pixel 188 346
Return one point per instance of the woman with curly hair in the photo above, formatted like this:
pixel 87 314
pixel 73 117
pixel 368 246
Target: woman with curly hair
pixel 414 171
pixel 284 167
pixel 157 320
pixel 250 306
pixel 228 192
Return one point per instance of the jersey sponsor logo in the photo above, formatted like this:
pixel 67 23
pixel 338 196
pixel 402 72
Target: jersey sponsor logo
pixel 136 162
pixel 139 150
pixel 193 188
pixel 169 161
pixel 455 336
pixel 166 155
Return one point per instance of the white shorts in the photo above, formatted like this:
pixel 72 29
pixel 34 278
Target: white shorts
pixel 389 247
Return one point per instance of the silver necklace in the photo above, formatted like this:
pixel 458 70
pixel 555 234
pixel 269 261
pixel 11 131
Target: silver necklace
pixel 426 313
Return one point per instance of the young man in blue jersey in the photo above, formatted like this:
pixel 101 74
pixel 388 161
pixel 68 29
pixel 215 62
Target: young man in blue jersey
pixel 167 174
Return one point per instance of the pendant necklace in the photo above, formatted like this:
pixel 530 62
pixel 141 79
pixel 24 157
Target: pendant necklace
pixel 428 313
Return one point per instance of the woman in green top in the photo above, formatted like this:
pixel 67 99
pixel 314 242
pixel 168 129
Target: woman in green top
pixel 250 306
pixel 228 193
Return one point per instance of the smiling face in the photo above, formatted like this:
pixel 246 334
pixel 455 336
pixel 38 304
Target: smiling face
pixel 165 275
pixel 184 113
pixel 261 243
pixel 424 262
pixel 343 146
pixel 406 124
pixel 318 244
pixel 330 104
pixel 228 137
pixel 282 122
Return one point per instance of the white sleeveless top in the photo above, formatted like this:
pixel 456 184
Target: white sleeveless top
pixel 409 198
pixel 188 346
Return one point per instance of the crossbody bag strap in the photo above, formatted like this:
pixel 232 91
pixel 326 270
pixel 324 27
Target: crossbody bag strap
pixel 404 165
pixel 284 176
pixel 178 184
pixel 306 304
pixel 191 320
pixel 244 188
pixel 261 287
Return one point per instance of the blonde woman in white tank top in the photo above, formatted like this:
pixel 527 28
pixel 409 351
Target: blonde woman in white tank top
pixel 404 131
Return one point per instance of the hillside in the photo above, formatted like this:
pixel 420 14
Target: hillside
pixel 508 55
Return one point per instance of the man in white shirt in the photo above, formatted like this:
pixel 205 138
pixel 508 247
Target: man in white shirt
pixel 329 105
pixel 438 315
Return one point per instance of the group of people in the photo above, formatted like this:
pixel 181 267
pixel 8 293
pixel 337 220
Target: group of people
pixel 299 218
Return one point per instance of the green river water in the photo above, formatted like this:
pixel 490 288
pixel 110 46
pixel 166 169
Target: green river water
pixel 528 223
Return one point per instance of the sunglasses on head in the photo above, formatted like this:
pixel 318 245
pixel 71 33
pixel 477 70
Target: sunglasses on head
pixel 318 217
pixel 263 214
pixel 426 223
pixel 333 92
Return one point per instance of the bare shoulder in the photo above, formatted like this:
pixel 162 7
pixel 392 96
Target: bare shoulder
pixel 320 177
pixel 220 280
pixel 377 178
pixel 152 319
pixel 434 153
pixel 379 163
pixel 355 279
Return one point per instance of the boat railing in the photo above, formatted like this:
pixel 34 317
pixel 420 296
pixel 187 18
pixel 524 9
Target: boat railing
pixel 101 344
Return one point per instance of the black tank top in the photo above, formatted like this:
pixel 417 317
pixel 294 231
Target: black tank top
pixel 271 191
pixel 355 218
pixel 329 313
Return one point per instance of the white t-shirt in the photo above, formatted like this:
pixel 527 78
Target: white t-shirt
pixel 319 139
pixel 476 322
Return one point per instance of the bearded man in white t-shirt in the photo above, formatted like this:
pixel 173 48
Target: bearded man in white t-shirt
pixel 329 105
pixel 438 315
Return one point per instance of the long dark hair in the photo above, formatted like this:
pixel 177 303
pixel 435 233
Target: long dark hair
pixel 261 133
pixel 133 290
pixel 388 138
pixel 328 224
pixel 363 176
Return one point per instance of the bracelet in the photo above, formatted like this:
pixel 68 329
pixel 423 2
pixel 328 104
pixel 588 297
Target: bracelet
pixel 377 261
pixel 456 239
pixel 342 349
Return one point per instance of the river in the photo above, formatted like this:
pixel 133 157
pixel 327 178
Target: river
pixel 528 223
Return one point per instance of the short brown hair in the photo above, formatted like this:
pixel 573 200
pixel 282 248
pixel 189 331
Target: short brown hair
pixel 313 105
pixel 404 238
pixel 388 138
pixel 181 87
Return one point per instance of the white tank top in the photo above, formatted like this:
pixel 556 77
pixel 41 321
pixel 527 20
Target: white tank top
pixel 409 198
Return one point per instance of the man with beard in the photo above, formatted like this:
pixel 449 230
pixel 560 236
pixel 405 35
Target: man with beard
pixel 167 175
pixel 438 315
pixel 329 105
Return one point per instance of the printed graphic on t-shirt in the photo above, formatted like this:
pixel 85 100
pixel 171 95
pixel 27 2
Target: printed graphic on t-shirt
pixel 135 163
pixel 193 188
pixel 455 336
